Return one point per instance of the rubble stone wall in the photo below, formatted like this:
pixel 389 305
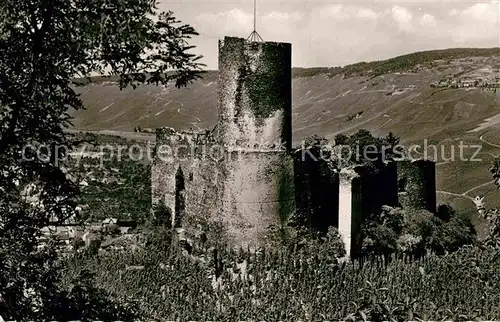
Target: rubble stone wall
pixel 316 192
pixel 189 156
pixel 388 184
pixel 417 184
pixel 240 174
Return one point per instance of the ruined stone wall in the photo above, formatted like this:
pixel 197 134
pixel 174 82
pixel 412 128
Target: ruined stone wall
pixel 250 187
pixel 316 192
pixel 255 94
pixel 372 192
pixel 185 171
pixel 417 184
pixel 242 174
pixel 363 192
pixel 350 210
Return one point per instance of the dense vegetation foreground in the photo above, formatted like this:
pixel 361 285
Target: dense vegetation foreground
pixel 309 284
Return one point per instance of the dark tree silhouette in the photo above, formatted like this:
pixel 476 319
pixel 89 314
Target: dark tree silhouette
pixel 44 46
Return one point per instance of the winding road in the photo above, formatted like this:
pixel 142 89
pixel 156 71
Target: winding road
pixel 486 142
pixel 454 194
pixel 466 193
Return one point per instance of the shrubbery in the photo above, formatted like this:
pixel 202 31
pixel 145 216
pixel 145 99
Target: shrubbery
pixel 416 233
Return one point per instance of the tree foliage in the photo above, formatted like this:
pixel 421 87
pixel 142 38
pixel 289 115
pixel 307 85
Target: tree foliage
pixel 417 233
pixel 364 148
pixel 119 189
pixel 44 46
pixel 495 172
pixel 492 215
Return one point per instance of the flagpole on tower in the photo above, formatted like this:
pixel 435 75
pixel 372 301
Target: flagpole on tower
pixel 254 36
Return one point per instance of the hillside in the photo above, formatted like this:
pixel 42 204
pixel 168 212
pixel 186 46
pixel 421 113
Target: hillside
pixel 441 96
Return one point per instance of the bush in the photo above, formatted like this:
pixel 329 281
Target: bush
pixel 416 233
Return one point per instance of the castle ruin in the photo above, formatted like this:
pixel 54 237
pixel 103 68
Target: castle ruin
pixel 239 174
pixel 244 175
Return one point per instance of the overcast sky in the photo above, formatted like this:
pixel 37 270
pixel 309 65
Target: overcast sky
pixel 334 33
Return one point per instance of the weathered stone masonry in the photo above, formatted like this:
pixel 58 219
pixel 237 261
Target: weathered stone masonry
pixel 350 209
pixel 255 94
pixel 244 175
pixel 417 184
pixel 407 184
pixel 249 187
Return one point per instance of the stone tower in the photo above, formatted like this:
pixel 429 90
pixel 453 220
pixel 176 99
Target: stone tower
pixel 254 123
pixel 255 94
pixel 240 174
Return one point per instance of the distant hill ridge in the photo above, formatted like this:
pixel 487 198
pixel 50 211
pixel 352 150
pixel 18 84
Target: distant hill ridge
pixel 372 68
pixel 398 63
